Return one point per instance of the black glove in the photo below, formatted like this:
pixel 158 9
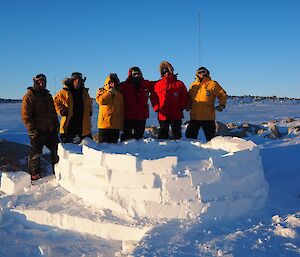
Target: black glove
pixel 33 133
pixel 220 108
pixel 64 112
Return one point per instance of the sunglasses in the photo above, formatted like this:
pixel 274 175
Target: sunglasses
pixel 136 74
pixel 202 72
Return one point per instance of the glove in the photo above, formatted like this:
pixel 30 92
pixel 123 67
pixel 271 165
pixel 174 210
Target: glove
pixel 33 133
pixel 64 112
pixel 113 90
pixel 220 108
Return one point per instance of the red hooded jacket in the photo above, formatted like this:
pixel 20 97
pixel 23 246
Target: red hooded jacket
pixel 136 101
pixel 170 98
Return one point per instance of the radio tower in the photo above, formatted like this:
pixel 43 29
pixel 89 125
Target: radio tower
pixel 199 38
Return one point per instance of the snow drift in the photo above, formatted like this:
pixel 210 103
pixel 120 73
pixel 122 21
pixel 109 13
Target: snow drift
pixel 166 179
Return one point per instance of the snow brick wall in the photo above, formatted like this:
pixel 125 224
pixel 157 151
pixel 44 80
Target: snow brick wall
pixel 166 179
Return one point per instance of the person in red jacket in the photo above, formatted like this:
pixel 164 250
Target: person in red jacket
pixel 169 99
pixel 136 92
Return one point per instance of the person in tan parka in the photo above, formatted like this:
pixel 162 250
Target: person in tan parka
pixel 75 107
pixel 202 95
pixel 111 110
pixel 40 119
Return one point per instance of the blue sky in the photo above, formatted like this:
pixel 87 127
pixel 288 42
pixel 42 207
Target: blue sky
pixel 250 46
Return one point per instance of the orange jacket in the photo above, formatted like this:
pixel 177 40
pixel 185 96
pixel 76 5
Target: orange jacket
pixel 63 101
pixel 202 97
pixel 111 108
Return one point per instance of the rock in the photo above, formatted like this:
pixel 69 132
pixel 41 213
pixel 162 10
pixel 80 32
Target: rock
pixel 294 130
pixel 152 131
pixel 14 157
pixel 222 129
pixel 289 120
pixel 231 126
pixel 275 132
pixel 244 130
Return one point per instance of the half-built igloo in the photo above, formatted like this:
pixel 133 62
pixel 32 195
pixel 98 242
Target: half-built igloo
pixel 166 179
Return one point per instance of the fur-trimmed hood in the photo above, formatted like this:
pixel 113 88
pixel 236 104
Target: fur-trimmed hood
pixel 165 64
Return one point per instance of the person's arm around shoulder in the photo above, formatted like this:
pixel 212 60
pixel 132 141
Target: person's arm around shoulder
pixel 154 98
pixel 184 96
pixel 191 95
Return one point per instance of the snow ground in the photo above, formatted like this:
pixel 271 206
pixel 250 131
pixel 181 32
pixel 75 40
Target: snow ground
pixel 271 231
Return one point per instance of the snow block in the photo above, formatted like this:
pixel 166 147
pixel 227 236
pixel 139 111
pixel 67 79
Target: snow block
pixel 229 144
pixel 214 191
pixel 106 230
pixel 132 180
pixel 15 182
pixel 120 162
pixel 201 177
pixel 92 155
pixel 164 211
pixel 178 189
pixel 138 195
pixel 165 165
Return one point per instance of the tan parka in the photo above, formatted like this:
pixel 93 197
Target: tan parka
pixel 202 97
pixel 38 112
pixel 111 108
pixel 63 102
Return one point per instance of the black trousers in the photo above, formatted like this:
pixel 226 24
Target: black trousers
pixel 48 139
pixel 208 126
pixel 133 129
pixel 68 138
pixel 163 132
pixel 108 135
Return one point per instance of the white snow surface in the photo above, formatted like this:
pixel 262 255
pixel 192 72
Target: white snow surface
pixel 96 204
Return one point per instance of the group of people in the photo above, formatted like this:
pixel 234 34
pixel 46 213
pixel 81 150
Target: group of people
pixel 123 106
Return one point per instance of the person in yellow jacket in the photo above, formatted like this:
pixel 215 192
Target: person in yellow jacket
pixel 202 94
pixel 111 110
pixel 75 106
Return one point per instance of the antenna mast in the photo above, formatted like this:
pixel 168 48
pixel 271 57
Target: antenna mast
pixel 54 84
pixel 199 38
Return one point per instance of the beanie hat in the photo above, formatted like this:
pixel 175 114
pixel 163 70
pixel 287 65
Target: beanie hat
pixel 202 70
pixel 78 75
pixel 166 67
pixel 134 70
pixel 39 76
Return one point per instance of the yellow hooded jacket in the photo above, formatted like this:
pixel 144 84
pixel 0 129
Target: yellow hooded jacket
pixel 111 108
pixel 63 102
pixel 202 97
